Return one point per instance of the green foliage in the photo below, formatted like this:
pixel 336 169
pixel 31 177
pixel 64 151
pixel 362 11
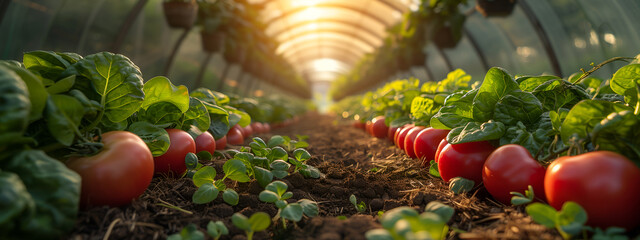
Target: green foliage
pixel 276 192
pixel 569 221
pixel 216 229
pixel 360 207
pixel 460 185
pixel 257 222
pixel 521 199
pixel 189 232
pixel 406 223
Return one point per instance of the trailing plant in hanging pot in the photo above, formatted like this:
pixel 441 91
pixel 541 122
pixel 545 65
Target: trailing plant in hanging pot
pixel 212 17
pixel 180 13
pixel 490 8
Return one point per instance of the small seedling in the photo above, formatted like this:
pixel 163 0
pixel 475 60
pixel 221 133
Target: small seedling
pixel 461 185
pixel 433 169
pixel 216 229
pixel 190 232
pixel 360 207
pixel 406 223
pixel 257 222
pixel 521 199
pixel 276 192
pixel 569 221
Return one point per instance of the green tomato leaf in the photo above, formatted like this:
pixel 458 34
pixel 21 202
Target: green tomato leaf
pixel 238 117
pixel 62 86
pixel 423 108
pixel 236 170
pixel 277 153
pixel 533 138
pixel 15 201
pixel 230 196
pixel 433 169
pixel 275 140
pixel 474 132
pixel 117 80
pixel 160 89
pixel 206 193
pixel 197 116
pixel 219 121
pixel 556 94
pixel 240 221
pixel 497 84
pixel 626 81
pixel 63 115
pixel 301 155
pixel 460 185
pixel 518 106
pixel 309 208
pixel 259 221
pixel 542 214
pixel 260 142
pixel 204 175
pixel 530 83
pixel 263 176
pixel 457 111
pixel 213 97
pixel 571 218
pixel 292 211
pixel 156 138
pixel 618 133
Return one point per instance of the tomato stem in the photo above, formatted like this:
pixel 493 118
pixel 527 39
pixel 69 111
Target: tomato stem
pixel 585 74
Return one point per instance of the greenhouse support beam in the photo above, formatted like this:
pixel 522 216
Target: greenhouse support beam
pixel 544 38
pixel 446 59
pixel 4 5
pixel 476 48
pixel 183 36
pixel 203 69
pixel 126 26
pixel 225 71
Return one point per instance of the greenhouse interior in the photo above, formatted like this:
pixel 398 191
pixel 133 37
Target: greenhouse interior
pixel 319 119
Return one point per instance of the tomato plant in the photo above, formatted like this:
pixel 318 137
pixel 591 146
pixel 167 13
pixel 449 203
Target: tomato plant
pixel 426 143
pixel 234 136
pixel 172 161
pixel 120 172
pixel 221 143
pixel 604 183
pixel 379 128
pixel 205 142
pixel 511 168
pixel 358 124
pixel 410 139
pixel 464 160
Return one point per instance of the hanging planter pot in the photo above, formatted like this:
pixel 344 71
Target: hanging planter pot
pixel 448 32
pixel 180 14
pixel 236 55
pixel 495 7
pixel 212 41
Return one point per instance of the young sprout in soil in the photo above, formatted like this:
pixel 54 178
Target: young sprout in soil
pixel 521 199
pixel 190 232
pixel 257 222
pixel 276 192
pixel 216 229
pixel 360 207
pixel 461 185
pixel 406 223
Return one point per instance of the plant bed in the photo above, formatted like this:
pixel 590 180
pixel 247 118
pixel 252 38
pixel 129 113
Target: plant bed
pixel 371 169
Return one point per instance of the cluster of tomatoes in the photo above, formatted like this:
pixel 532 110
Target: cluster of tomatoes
pixel 605 184
pixel 122 170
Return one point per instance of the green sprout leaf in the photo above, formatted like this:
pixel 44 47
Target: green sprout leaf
pixel 205 194
pixel 275 140
pixel 542 214
pixel 204 175
pixel 230 196
pixel 301 155
pixel 461 185
pixel 292 211
pixel 309 208
pixel 191 160
pixel 236 170
pixel 216 229
pixel 520 199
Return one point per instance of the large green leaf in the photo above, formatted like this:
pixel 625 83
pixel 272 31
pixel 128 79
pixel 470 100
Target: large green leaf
pixel 161 113
pixel 626 82
pixel 196 116
pixel 15 107
pixel 15 201
pixel 235 170
pixel 457 111
pixel 117 80
pixel 618 132
pixel 518 106
pixel 156 138
pixel 475 131
pixel 293 212
pixel 160 89
pixel 585 115
pixel 63 115
pixel 55 190
pixel 37 93
pixel 205 194
pixel 497 84
pixel 47 64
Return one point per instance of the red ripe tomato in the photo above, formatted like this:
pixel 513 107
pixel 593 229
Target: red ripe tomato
pixel 441 146
pixel 247 131
pixel 205 142
pixel 401 136
pixel 234 136
pixel 511 168
pixel 358 124
pixel 120 172
pixel 464 160
pixel 266 127
pixel 604 183
pixel 368 127
pixel 426 144
pixel 172 161
pixel 410 139
pixel 221 143
pixel 379 128
pixel 391 133
pixel 257 127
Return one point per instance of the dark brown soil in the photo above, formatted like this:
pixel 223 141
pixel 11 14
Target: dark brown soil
pixel 353 163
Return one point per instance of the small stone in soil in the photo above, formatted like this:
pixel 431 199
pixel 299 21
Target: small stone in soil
pixel 376 204
pixel 223 210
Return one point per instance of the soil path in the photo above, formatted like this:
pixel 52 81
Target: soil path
pixel 353 163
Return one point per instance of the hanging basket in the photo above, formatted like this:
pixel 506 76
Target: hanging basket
pixel 495 7
pixel 444 38
pixel 180 14
pixel 212 42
